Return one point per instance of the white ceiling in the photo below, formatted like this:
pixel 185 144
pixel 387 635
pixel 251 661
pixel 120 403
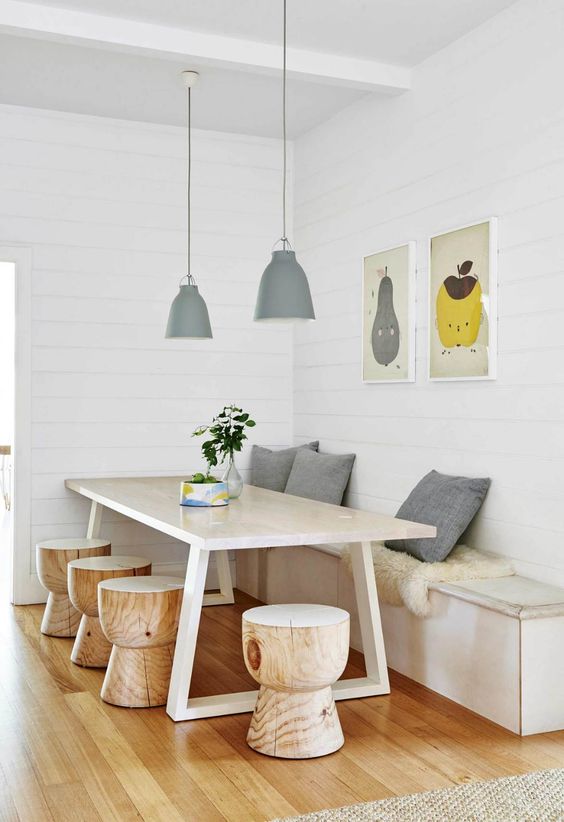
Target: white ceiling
pixel 45 74
pixel 50 60
pixel 393 31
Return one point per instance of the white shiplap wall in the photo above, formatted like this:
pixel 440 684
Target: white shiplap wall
pixel 481 134
pixel 102 205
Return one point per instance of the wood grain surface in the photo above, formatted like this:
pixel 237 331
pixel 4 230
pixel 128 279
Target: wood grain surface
pixel 295 716
pixel 91 648
pixel 61 618
pixel 142 626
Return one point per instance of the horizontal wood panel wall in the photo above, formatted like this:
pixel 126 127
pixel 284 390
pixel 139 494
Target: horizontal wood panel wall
pixel 102 205
pixel 481 134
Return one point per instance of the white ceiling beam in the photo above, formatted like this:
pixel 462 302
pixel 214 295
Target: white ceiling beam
pixel 167 42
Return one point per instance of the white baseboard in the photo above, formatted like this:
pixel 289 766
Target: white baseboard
pixel 34 593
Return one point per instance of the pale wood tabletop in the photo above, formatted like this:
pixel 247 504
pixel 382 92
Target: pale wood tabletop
pixel 259 518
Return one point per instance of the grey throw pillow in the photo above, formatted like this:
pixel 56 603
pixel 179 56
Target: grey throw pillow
pixel 271 469
pixel 450 504
pixel 322 477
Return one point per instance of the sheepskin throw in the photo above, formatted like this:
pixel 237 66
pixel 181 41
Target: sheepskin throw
pixel 403 580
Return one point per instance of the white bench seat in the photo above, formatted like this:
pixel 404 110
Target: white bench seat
pixel 515 596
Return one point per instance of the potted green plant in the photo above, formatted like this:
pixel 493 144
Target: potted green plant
pixel 226 436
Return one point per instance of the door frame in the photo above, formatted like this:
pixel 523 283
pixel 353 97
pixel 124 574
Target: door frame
pixel 24 581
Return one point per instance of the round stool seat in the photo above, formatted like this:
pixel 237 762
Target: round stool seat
pixel 146 585
pixel 296 616
pixel 85 574
pixel 295 653
pixel 139 616
pixel 72 544
pixel 91 648
pixel 52 557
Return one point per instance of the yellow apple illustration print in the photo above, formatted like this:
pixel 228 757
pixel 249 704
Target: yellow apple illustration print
pixel 459 308
pixel 463 303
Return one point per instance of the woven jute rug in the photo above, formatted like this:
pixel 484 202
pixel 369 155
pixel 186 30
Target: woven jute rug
pixel 534 797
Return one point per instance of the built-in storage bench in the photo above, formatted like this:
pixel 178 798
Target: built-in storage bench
pixel 495 646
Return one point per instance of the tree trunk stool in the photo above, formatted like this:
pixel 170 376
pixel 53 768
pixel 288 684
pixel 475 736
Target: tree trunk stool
pixel 295 653
pixel 91 649
pixel 139 616
pixel 52 556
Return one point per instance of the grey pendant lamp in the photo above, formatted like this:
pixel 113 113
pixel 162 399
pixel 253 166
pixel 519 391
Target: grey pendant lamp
pixel 284 293
pixel 188 317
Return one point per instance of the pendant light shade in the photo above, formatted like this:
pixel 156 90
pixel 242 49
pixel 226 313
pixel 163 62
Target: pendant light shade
pixel 284 290
pixel 284 293
pixel 188 317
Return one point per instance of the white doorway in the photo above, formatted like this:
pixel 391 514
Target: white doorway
pixel 18 581
pixel 7 407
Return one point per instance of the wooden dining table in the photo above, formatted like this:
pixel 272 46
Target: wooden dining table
pixel 258 519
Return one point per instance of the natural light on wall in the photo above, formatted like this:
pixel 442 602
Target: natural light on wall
pixel 7 343
pixel 7 316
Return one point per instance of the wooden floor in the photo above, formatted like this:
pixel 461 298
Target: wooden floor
pixel 66 755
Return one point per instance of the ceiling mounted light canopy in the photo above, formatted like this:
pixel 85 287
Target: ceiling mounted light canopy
pixel 284 293
pixel 188 317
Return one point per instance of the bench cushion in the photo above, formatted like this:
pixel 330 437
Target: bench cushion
pixel 321 477
pixel 447 502
pixel 271 469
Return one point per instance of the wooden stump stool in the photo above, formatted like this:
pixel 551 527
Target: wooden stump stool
pixel 295 653
pixel 91 649
pixel 52 556
pixel 139 616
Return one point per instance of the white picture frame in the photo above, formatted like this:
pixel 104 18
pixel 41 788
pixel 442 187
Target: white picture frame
pixel 486 343
pixel 372 371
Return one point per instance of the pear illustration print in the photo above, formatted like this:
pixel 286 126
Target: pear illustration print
pixel 459 308
pixel 388 335
pixel 385 331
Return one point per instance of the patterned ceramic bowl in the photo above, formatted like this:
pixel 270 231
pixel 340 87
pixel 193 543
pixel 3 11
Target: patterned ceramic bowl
pixel 203 494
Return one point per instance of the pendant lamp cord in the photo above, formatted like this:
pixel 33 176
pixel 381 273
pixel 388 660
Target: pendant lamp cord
pixel 284 238
pixel 188 175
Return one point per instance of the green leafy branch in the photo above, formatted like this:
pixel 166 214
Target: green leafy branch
pixel 227 434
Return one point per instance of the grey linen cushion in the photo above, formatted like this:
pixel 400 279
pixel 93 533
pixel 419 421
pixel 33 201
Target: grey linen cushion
pixel 449 503
pixel 322 477
pixel 271 469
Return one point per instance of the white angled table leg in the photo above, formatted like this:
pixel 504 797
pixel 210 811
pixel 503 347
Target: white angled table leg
pixel 95 520
pixel 225 595
pixel 192 601
pixel 376 682
pixel 369 618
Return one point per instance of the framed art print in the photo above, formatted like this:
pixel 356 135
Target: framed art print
pixel 463 303
pixel 388 315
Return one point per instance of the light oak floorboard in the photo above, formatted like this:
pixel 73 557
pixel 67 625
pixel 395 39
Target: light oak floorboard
pixel 8 812
pixel 68 803
pixel 145 792
pixel 65 754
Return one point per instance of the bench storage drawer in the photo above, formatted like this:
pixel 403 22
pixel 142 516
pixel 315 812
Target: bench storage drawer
pixel 495 646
